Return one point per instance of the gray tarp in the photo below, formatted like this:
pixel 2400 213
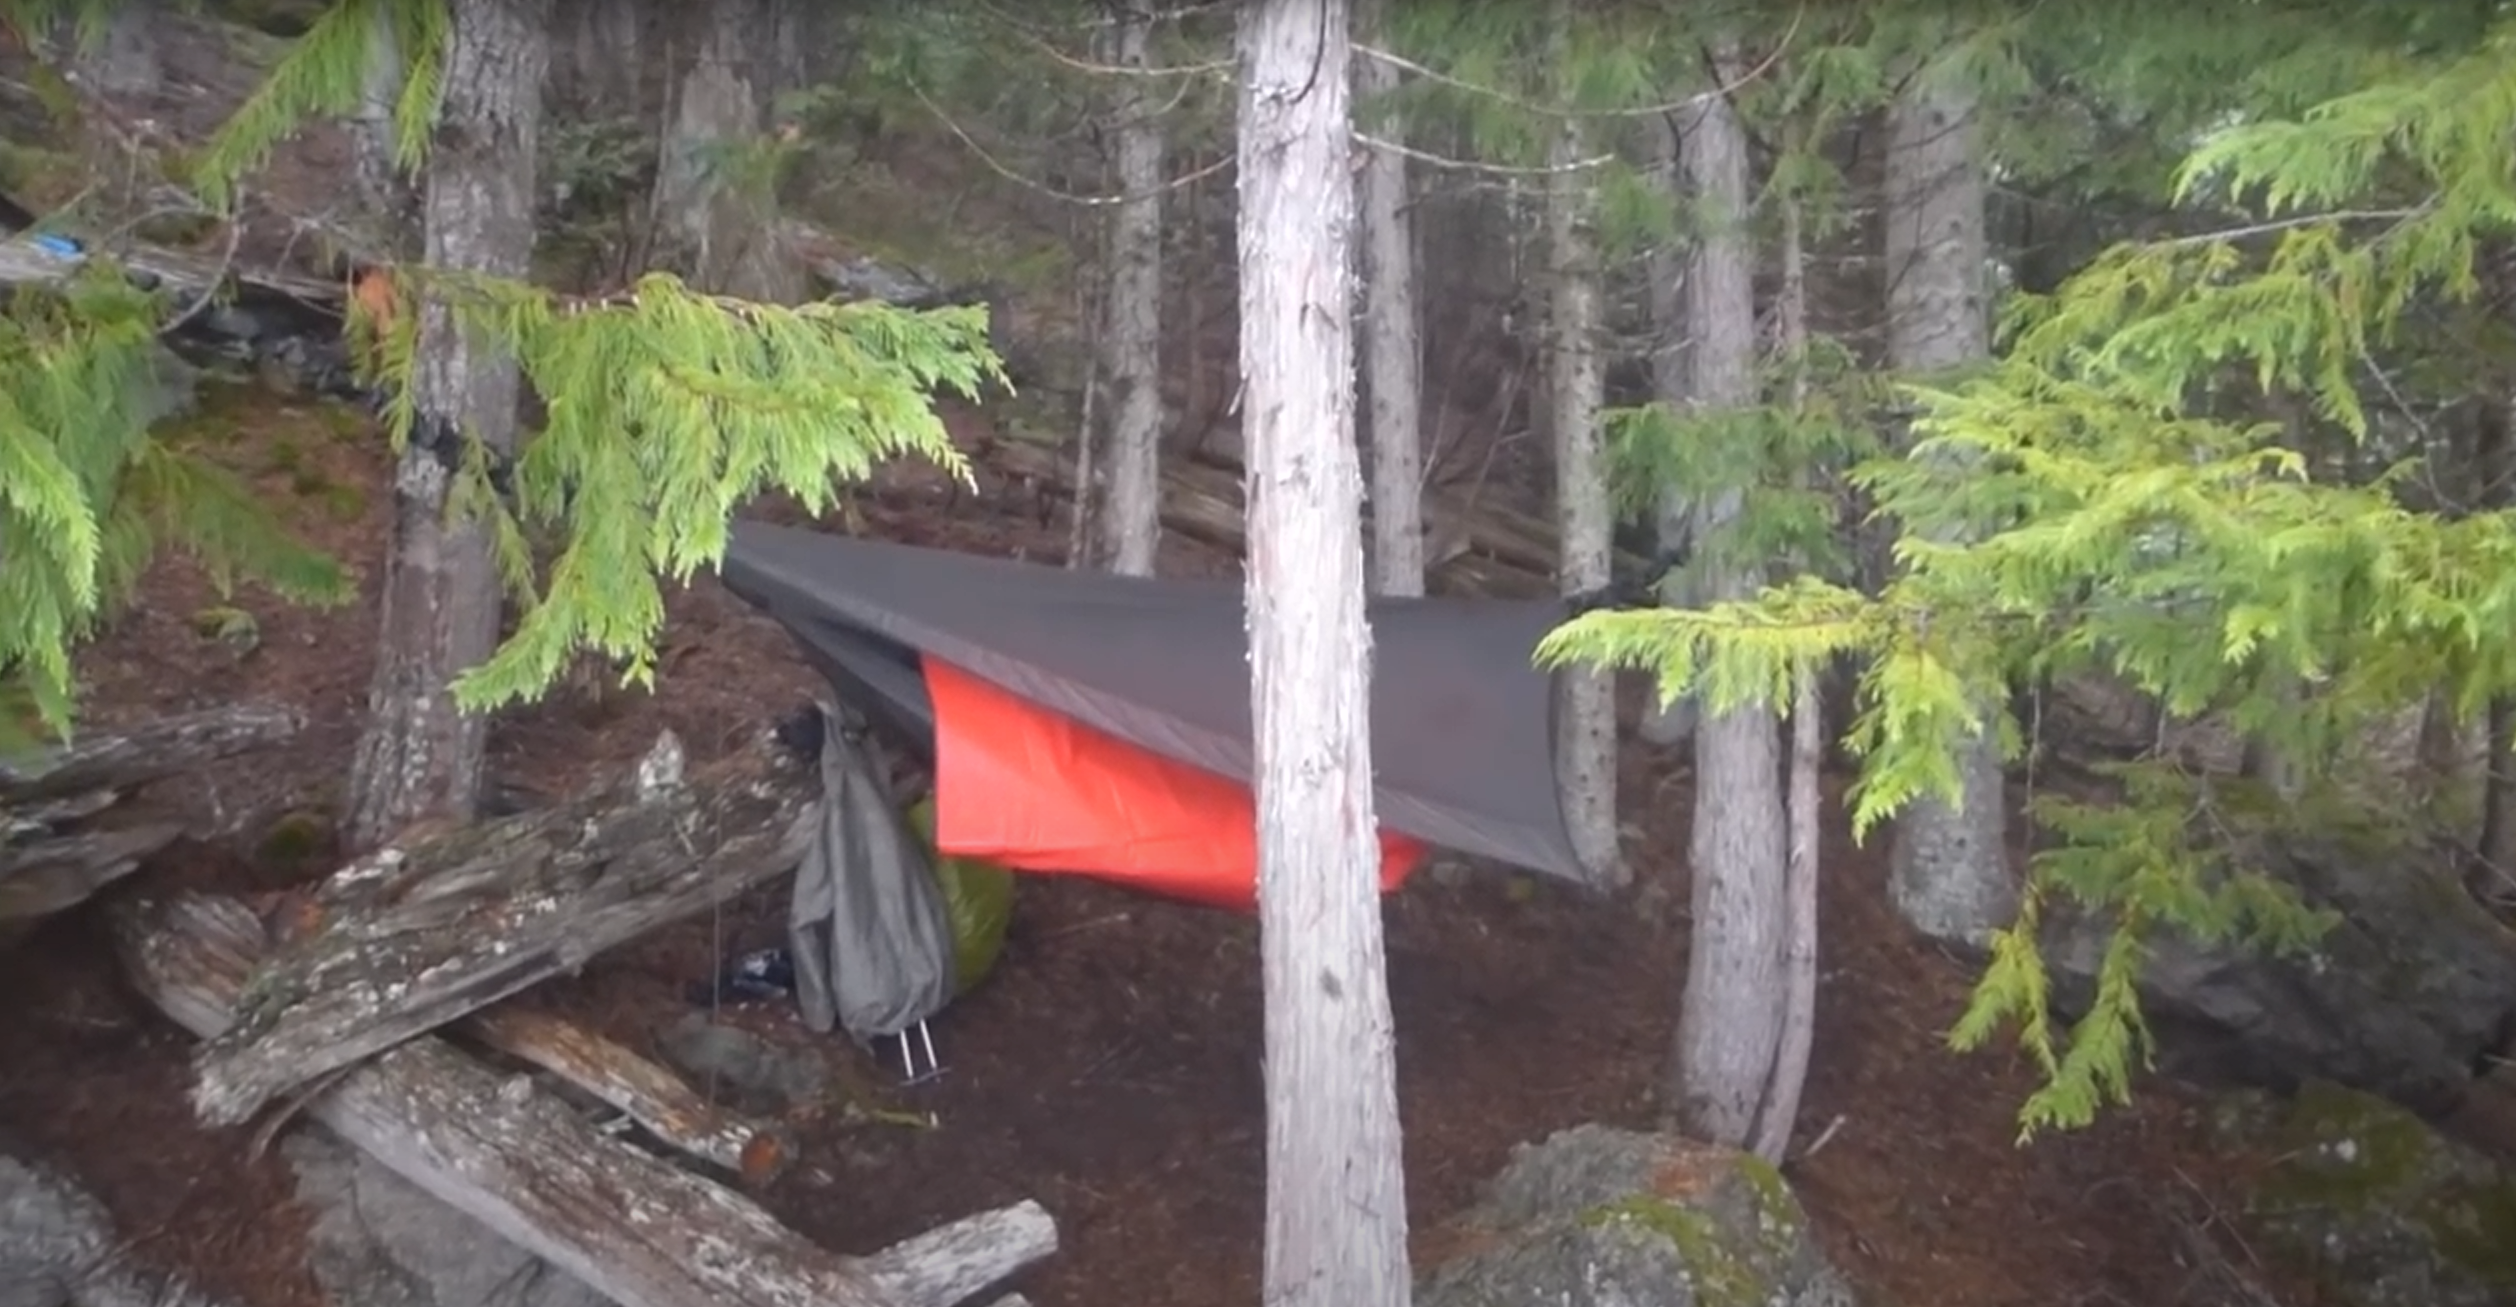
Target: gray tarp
pixel 1463 751
pixel 871 939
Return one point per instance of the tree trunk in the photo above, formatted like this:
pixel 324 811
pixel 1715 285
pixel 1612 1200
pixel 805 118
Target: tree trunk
pixel 1585 748
pixel 601 46
pixel 1780 1113
pixel 1729 1024
pixel 384 190
pixel 1393 358
pixel 420 754
pixel 1949 869
pixel 1131 332
pixel 715 199
pixel 1336 1193
pixel 1672 384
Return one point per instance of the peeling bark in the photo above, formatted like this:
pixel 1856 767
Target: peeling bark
pixel 1585 739
pixel 1130 362
pixel 1949 870
pixel 1336 1196
pixel 1729 1023
pixel 420 755
pixel 1393 343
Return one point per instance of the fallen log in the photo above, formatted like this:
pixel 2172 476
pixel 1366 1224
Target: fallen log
pixel 53 852
pixel 1202 502
pixel 443 923
pixel 118 762
pixel 1500 552
pixel 193 278
pixel 1497 531
pixel 630 1225
pixel 660 1102
pixel 57 874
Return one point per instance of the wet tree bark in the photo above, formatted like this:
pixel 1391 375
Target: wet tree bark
pixel 1949 868
pixel 1585 740
pixel 1729 1022
pixel 420 755
pixel 1393 346
pixel 1336 1193
pixel 1131 329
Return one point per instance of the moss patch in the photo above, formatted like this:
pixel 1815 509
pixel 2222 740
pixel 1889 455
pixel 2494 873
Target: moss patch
pixel 1722 1278
pixel 2364 1192
pixel 1730 1267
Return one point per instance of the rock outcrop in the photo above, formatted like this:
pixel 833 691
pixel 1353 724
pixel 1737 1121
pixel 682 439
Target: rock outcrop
pixel 379 1241
pixel 58 1248
pixel 2362 1197
pixel 2404 997
pixel 1600 1217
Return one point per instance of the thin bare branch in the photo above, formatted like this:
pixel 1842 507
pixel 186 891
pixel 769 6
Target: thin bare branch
pixel 1697 100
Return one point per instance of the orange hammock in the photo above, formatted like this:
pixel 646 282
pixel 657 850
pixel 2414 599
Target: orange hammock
pixel 1032 789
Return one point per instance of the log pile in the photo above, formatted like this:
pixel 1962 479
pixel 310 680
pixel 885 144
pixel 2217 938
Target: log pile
pixel 376 1007
pixel 65 830
pixel 514 1157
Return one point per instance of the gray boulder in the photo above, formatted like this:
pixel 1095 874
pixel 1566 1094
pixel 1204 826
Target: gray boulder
pixel 58 1248
pixel 2404 997
pixel 2362 1197
pixel 380 1241
pixel 1600 1217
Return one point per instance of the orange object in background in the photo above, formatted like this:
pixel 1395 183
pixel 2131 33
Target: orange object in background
pixel 1032 789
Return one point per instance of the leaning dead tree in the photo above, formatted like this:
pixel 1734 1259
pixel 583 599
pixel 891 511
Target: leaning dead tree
pixel 513 1156
pixel 65 829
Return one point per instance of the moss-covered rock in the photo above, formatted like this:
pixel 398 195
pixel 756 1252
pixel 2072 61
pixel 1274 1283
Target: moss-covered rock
pixel 2361 1194
pixel 1596 1216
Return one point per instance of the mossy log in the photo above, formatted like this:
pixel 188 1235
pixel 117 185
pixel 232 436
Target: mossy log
pixel 660 1102
pixel 444 922
pixel 507 1153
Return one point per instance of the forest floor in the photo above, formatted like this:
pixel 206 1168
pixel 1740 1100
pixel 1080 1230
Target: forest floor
pixel 1110 1067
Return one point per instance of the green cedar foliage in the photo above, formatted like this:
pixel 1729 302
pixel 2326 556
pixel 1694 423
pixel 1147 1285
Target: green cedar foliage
pixel 2129 514
pixel 667 409
pixel 323 75
pixel 87 498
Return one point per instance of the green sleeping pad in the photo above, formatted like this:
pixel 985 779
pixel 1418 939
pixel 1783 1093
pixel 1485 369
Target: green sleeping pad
pixel 978 897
